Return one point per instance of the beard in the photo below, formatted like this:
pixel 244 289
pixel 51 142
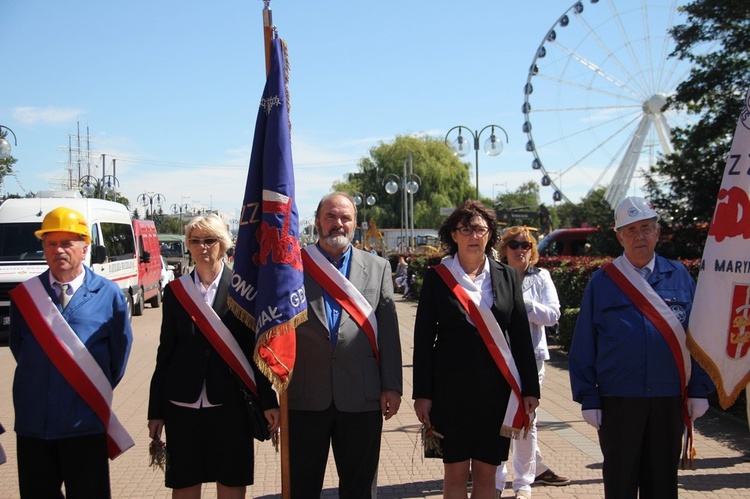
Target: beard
pixel 338 239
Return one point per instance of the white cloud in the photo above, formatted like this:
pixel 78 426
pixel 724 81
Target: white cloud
pixel 51 115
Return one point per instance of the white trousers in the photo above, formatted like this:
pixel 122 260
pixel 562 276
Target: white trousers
pixel 527 459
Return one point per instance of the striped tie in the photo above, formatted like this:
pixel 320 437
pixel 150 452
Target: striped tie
pixel 645 272
pixel 63 295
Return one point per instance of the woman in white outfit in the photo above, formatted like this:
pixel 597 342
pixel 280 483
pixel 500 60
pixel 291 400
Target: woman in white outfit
pixel 518 249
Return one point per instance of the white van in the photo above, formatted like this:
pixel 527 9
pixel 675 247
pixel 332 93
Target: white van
pixel 112 253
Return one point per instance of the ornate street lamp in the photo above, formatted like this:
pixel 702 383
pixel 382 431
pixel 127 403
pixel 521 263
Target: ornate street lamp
pixel 409 185
pixel 90 186
pixel 493 146
pixel 180 208
pixel 109 187
pixel 147 200
pixel 369 200
pixel 5 148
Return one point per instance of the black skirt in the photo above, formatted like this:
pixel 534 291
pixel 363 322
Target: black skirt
pixel 468 409
pixel 208 445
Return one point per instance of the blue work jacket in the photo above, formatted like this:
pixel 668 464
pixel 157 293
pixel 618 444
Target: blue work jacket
pixel 617 352
pixel 46 405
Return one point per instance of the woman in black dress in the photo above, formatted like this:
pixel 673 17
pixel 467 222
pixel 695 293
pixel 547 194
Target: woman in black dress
pixel 195 395
pixel 459 388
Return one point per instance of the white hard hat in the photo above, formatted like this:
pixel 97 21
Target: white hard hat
pixel 633 209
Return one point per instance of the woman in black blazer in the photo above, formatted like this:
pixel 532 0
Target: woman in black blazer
pixel 195 396
pixel 458 388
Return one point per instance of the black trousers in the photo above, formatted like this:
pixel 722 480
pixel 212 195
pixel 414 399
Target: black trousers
pixel 355 438
pixel 641 440
pixel 79 462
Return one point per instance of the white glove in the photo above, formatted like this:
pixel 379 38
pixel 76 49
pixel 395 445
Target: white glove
pixel 696 407
pixel 593 417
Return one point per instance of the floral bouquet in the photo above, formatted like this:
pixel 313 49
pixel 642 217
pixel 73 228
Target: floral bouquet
pixel 431 442
pixel 157 451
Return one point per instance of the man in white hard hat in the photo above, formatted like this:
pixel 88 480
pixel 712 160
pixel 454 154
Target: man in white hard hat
pixel 629 368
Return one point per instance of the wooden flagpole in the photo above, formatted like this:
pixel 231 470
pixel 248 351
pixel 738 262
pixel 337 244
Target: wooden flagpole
pixel 268 36
pixel 267 32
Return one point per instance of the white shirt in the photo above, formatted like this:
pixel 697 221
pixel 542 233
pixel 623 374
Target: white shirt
pixel 479 290
pixel 73 285
pixel 209 295
pixel 650 265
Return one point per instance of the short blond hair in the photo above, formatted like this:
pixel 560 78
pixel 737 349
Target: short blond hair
pixel 213 225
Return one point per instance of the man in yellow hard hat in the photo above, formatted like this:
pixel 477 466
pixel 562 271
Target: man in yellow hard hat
pixel 70 335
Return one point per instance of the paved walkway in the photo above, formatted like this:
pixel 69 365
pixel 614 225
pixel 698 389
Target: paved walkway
pixel 568 444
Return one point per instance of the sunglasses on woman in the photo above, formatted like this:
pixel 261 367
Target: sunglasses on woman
pixel 208 242
pixel 513 244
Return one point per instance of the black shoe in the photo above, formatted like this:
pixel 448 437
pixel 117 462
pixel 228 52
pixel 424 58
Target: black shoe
pixel 549 477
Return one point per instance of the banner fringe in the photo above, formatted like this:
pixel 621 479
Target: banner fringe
pixel 287 94
pixel 510 432
pixel 726 400
pixel 241 313
pixel 265 340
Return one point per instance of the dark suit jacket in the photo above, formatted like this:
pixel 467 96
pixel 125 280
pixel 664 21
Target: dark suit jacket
pixel 447 347
pixel 349 375
pixel 185 358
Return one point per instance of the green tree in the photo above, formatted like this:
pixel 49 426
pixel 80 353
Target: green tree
pixel 592 211
pixel 526 197
pixel 714 93
pixel 169 225
pixel 444 180
pixel 523 199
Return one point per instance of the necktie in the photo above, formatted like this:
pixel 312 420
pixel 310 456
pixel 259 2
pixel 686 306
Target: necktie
pixel 645 272
pixel 63 295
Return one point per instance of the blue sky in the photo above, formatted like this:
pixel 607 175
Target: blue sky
pixel 170 89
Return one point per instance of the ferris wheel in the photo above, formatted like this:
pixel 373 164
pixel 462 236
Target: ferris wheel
pixel 595 96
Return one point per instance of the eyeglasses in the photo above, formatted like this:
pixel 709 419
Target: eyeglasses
pixel 513 244
pixel 208 241
pixel 635 231
pixel 479 230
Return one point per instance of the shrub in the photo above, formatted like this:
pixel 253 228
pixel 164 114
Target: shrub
pixel 566 326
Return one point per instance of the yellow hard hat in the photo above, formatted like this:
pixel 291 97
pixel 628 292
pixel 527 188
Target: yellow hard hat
pixel 64 219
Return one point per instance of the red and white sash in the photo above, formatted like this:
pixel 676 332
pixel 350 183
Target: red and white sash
pixel 655 309
pixel 343 291
pixel 515 419
pixel 215 331
pixel 666 322
pixel 70 356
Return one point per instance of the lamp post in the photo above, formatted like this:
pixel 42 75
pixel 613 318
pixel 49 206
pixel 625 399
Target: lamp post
pixel 365 201
pixel 409 185
pixel 4 144
pixel 109 186
pixel 147 199
pixel 179 208
pixel 90 186
pixel 360 199
pixel 493 146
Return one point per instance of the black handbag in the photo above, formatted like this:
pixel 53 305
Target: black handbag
pixel 256 418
